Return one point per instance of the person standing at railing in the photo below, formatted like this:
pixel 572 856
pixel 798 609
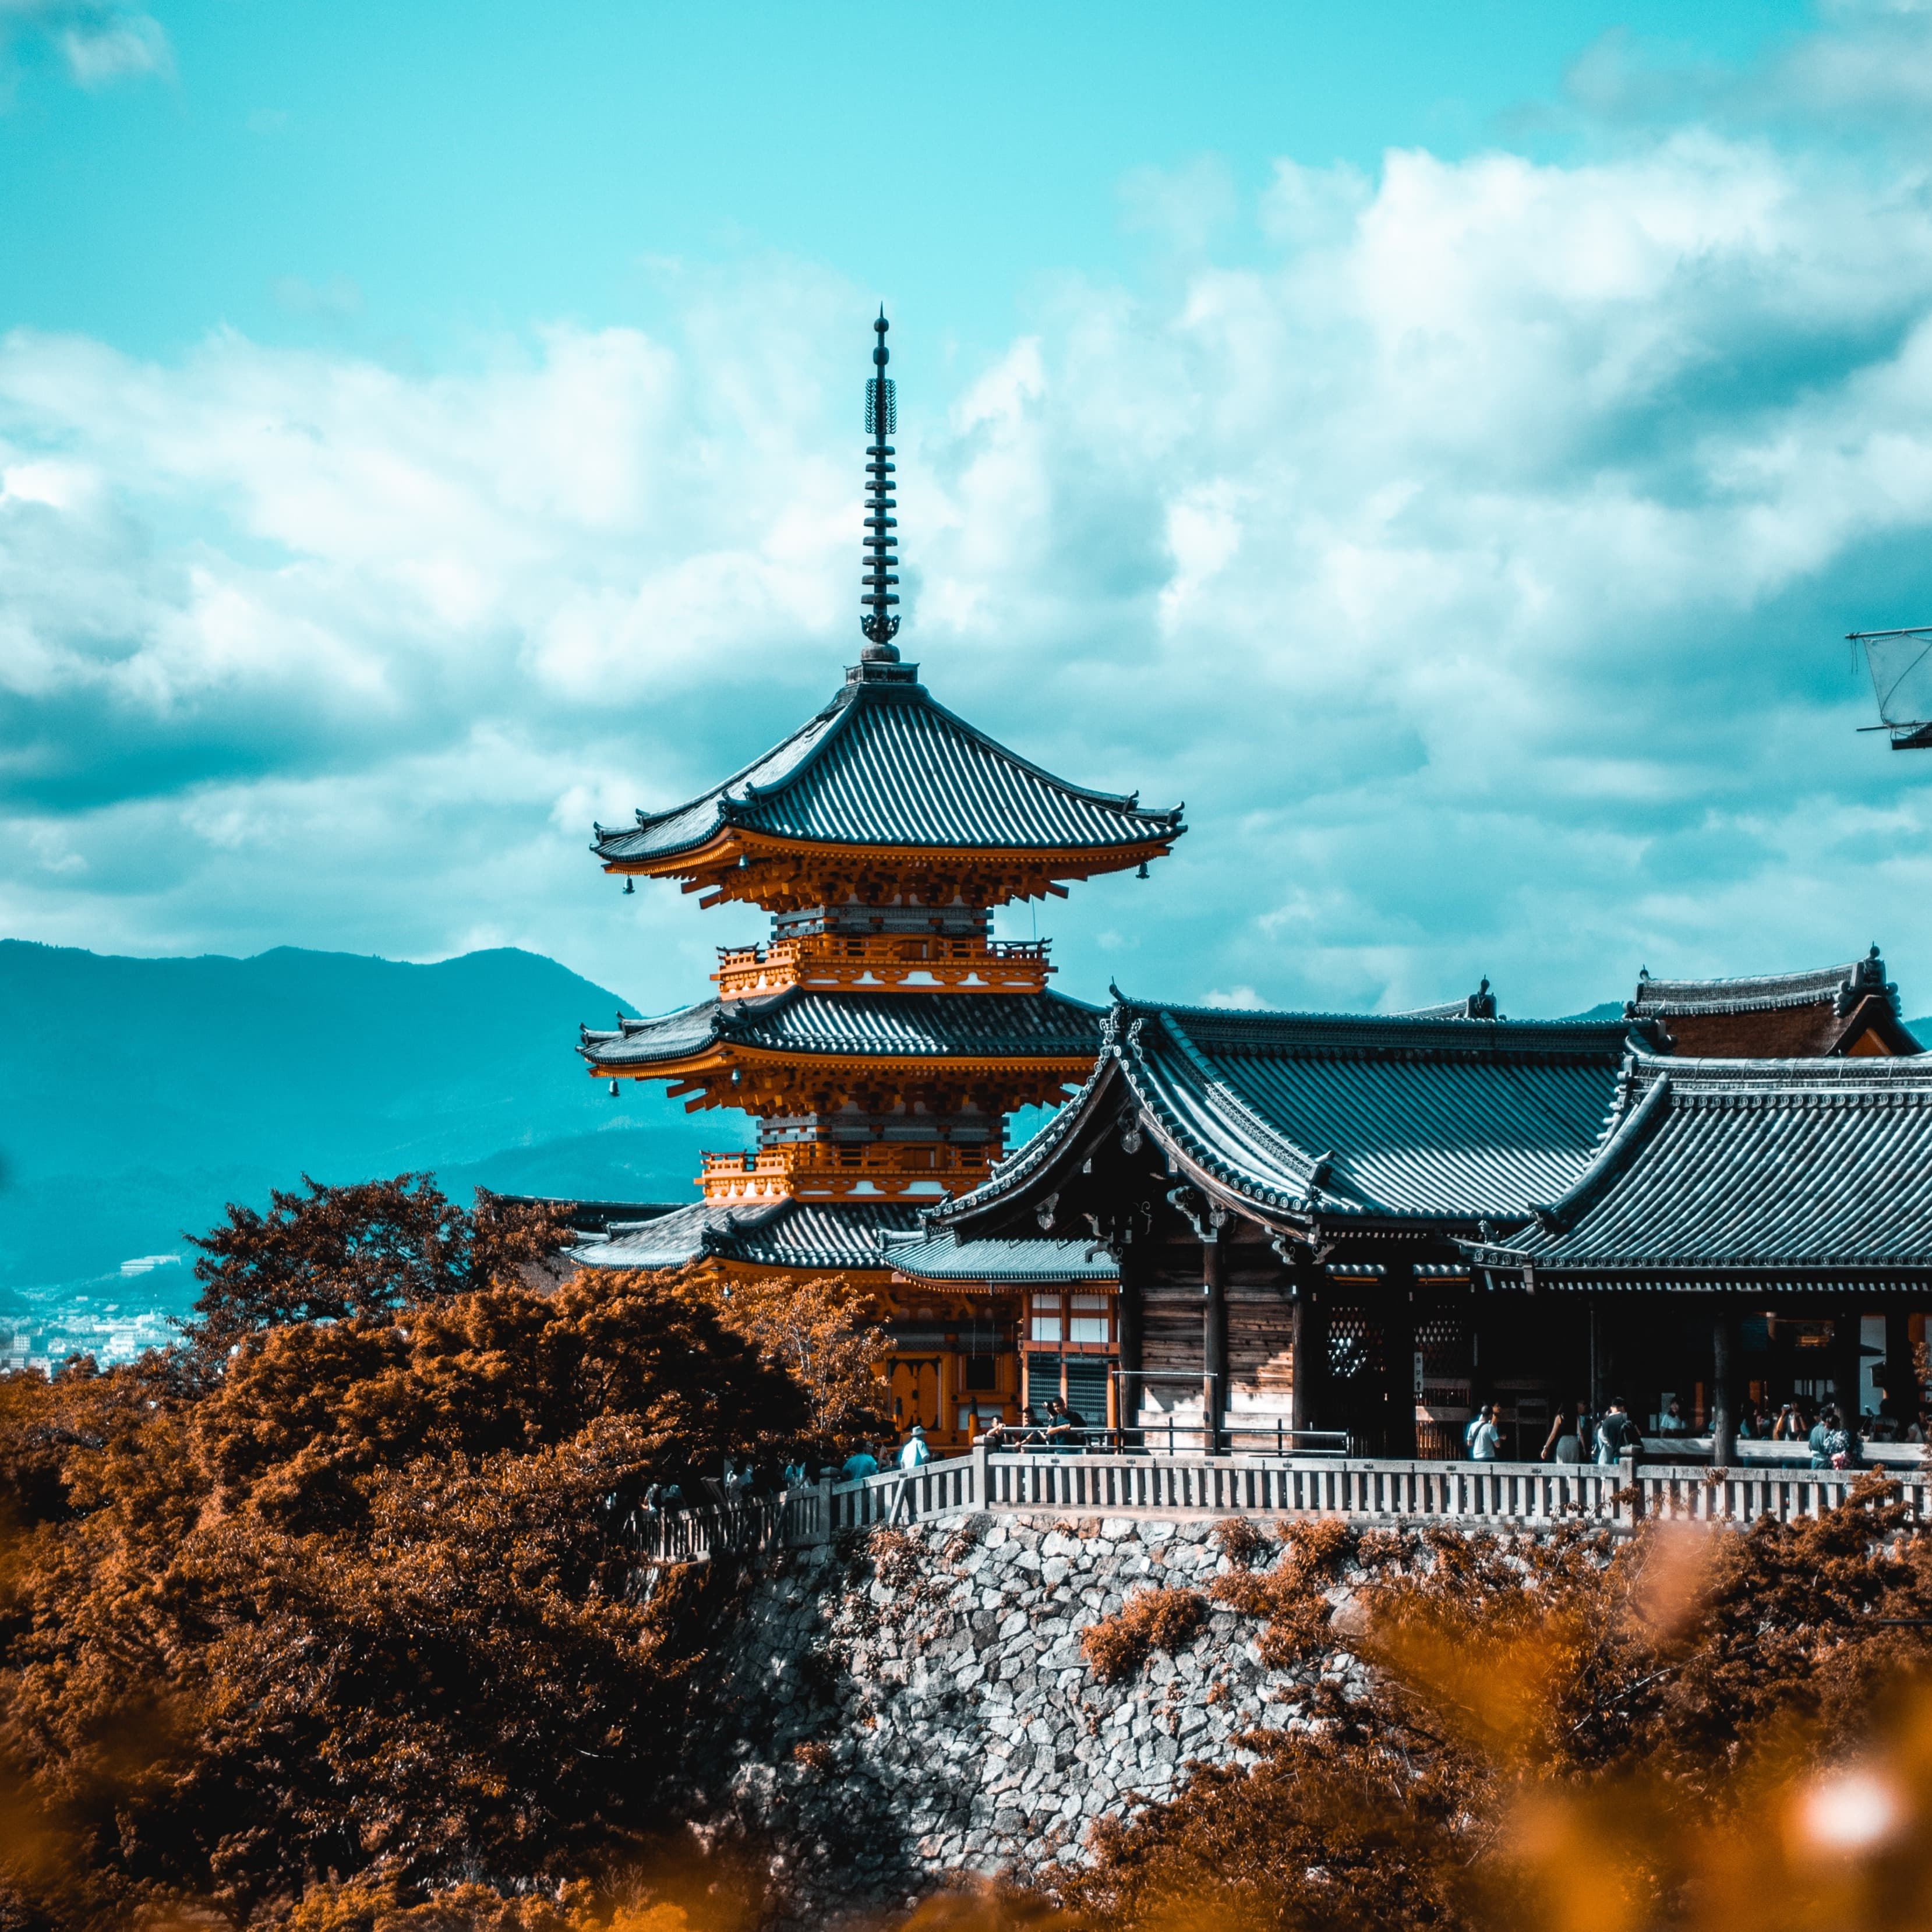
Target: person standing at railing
pixel 915 1452
pixel 860 1464
pixel 1835 1442
pixel 1485 1438
pixel 1066 1428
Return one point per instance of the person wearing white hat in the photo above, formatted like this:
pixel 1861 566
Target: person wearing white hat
pixel 915 1451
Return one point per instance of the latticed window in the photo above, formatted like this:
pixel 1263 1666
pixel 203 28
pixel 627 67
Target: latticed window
pixel 1354 1344
pixel 1442 1341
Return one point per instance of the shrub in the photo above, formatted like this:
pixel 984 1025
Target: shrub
pixel 1150 1620
pixel 1241 1540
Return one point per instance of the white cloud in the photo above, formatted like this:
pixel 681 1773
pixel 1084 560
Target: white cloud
pixel 99 41
pixel 1471 564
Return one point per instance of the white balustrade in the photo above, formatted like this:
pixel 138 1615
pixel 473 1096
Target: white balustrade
pixel 1471 1495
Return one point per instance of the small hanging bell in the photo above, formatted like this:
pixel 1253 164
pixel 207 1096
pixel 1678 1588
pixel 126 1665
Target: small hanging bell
pixel 613 1090
pixel 631 885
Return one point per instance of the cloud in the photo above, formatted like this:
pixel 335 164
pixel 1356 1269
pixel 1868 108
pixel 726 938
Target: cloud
pixel 1470 559
pixel 99 43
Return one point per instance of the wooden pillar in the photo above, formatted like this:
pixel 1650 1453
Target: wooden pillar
pixel 1130 1333
pixel 1599 1367
pixel 1902 1394
pixel 1308 1403
pixel 1399 1364
pixel 1847 1363
pixel 1213 1343
pixel 1724 1388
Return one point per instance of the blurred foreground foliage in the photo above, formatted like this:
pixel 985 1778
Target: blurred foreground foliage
pixel 1696 1728
pixel 335 1610
pixel 331 1620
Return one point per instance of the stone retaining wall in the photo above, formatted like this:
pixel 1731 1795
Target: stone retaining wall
pixel 916 1702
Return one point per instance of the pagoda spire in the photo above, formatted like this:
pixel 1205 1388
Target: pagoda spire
pixel 878 623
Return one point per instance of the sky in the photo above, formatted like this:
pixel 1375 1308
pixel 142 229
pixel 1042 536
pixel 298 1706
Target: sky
pixel 1444 446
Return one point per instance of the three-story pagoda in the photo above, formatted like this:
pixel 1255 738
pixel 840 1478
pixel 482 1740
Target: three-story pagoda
pixel 881 1036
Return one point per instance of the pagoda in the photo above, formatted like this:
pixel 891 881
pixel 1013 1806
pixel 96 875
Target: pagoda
pixel 880 1036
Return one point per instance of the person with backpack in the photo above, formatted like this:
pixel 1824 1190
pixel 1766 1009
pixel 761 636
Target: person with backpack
pixel 1616 1434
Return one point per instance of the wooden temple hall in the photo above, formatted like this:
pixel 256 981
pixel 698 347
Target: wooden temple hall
pixel 1241 1225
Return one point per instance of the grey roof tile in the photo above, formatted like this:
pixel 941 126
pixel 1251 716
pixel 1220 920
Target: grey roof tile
pixel 1043 1025
pixel 883 764
pixel 1349 1116
pixel 1757 1164
pixel 785 1234
pixel 944 1261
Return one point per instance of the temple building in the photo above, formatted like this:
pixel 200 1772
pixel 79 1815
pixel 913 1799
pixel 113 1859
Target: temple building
pixel 1367 1226
pixel 1839 1010
pixel 1244 1229
pixel 881 1036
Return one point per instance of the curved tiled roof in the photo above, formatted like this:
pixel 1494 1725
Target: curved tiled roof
pixel 945 1262
pixel 1840 987
pixel 1780 1164
pixel 1342 1115
pixel 1042 1025
pixel 783 1234
pixel 883 765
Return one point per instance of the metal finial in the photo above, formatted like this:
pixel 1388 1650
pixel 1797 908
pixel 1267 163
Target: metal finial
pixel 882 416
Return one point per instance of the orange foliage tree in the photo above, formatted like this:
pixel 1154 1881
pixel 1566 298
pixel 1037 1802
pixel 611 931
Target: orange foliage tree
pixel 353 1597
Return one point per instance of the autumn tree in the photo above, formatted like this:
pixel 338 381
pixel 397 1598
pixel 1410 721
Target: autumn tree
pixel 369 1248
pixel 365 1602
pixel 825 1334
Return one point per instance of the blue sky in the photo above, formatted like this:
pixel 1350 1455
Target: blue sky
pixel 1442 445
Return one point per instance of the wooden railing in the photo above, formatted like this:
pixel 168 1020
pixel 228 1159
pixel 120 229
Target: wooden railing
pixel 1473 1495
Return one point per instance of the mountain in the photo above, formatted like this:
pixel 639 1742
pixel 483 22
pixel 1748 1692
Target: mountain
pixel 138 1096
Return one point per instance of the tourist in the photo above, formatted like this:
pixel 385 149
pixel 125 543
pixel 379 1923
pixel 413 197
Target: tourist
pixel 1563 1444
pixel 997 1435
pixel 1485 1438
pixel 794 1474
pixel 915 1452
pixel 1067 1428
pixel 860 1464
pixel 1671 1422
pixel 1837 1444
pixel 1790 1426
pixel 1748 1424
pixel 1919 1429
pixel 1029 1436
pixel 1814 1438
pixel 1615 1434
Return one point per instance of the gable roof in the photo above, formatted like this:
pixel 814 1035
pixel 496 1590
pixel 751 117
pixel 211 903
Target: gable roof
pixel 883 765
pixel 1713 1166
pixel 1044 1025
pixel 1826 1010
pixel 1294 1116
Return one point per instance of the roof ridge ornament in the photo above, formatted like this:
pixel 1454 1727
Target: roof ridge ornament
pixel 882 420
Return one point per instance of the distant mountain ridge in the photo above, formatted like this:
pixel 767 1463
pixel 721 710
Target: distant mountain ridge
pixel 138 1096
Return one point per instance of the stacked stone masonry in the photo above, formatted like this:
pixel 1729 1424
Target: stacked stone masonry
pixel 917 1704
